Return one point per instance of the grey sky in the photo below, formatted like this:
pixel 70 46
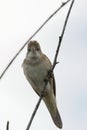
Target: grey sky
pixel 18 20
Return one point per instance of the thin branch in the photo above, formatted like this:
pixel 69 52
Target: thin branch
pixel 63 4
pixel 37 106
pixel 62 34
pixel 54 64
pixel 7 126
pixel 34 112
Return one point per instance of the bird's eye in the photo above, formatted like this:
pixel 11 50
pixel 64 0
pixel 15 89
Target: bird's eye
pixel 29 49
pixel 37 49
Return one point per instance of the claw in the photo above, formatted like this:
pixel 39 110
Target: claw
pixel 50 74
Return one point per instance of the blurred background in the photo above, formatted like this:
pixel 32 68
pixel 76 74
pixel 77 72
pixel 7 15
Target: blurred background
pixel 19 19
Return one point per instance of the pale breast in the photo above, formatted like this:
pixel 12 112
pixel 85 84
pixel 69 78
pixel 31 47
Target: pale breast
pixel 37 73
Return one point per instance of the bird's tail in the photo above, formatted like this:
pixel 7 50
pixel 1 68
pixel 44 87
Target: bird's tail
pixel 57 119
pixel 52 108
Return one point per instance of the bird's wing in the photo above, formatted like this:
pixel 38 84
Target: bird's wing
pixel 54 85
pixel 53 79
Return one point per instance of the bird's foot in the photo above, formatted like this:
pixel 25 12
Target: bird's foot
pixel 50 74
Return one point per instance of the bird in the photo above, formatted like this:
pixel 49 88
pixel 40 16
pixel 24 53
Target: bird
pixel 36 66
